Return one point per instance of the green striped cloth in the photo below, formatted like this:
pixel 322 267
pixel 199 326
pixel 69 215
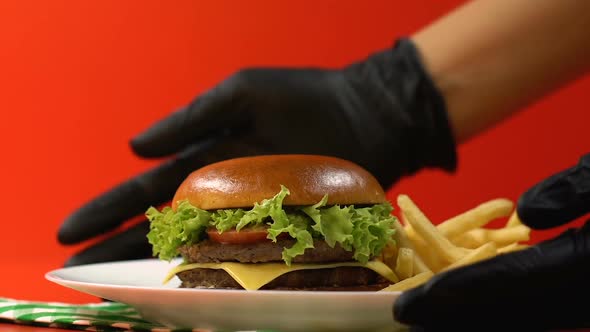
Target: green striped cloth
pixel 106 316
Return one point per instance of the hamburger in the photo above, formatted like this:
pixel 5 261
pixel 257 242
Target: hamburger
pixel 287 222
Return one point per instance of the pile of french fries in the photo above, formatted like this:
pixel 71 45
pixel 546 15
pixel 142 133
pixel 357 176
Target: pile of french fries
pixel 423 249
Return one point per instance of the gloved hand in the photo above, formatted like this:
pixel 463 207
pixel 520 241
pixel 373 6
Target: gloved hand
pixel 544 287
pixel 383 113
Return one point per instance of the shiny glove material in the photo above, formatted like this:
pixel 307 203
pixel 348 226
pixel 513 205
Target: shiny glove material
pixel 541 288
pixel 558 199
pixel 383 113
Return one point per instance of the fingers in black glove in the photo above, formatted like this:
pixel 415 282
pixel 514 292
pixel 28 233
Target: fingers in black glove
pixel 127 245
pixel 558 199
pixel 540 288
pixel 216 113
pixel 133 197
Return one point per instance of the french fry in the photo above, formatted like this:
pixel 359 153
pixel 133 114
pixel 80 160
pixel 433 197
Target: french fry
pixel 404 267
pixel 429 256
pixel 458 241
pixel 389 255
pixel 501 236
pixel 420 223
pixel 512 247
pixel 467 240
pixel 404 222
pixel 514 220
pixel 477 217
pixel 403 242
pixel 486 251
pixel 406 284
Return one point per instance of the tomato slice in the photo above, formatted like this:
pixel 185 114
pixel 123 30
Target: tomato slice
pixel 244 236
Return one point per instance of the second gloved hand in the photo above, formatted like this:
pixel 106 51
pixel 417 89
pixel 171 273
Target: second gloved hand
pixel 383 113
pixel 542 288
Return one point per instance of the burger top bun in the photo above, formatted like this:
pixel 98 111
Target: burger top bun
pixel 240 182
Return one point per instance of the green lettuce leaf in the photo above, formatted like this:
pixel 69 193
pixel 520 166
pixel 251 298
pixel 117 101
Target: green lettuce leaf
pixel 268 208
pixel 297 226
pixel 227 219
pixel 372 228
pixel 365 231
pixel 335 223
pixel 170 229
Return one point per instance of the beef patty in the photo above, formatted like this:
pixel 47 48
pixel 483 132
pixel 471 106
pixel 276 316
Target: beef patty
pixel 261 252
pixel 336 279
pixel 340 278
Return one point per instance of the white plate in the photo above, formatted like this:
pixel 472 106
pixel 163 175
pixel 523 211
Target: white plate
pixel 139 284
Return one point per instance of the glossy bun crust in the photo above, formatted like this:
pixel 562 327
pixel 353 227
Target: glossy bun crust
pixel 241 182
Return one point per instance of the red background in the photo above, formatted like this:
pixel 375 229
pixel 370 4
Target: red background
pixel 79 78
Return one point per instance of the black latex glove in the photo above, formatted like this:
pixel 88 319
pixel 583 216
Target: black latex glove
pixel 383 113
pixel 544 287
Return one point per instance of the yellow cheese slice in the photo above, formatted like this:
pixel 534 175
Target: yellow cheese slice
pixel 254 276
